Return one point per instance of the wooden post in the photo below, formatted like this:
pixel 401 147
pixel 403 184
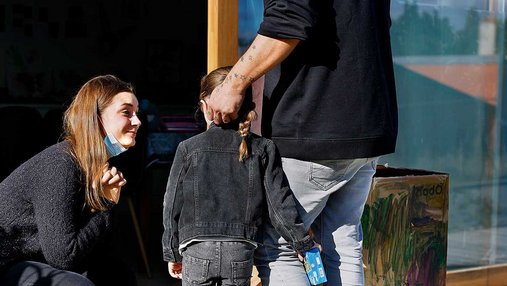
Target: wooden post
pixel 222 33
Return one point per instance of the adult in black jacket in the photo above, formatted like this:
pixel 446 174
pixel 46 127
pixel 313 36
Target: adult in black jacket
pixel 330 107
pixel 55 207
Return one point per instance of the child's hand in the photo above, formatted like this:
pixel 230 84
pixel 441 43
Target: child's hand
pixel 301 256
pixel 175 269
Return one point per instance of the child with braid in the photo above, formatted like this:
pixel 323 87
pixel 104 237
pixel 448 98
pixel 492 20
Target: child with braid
pixel 224 185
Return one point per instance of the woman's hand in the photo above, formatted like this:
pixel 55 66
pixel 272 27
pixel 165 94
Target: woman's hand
pixel 112 180
pixel 175 269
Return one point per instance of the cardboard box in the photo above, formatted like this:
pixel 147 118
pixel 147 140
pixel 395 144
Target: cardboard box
pixel 405 228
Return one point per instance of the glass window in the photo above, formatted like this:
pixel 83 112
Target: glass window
pixel 449 66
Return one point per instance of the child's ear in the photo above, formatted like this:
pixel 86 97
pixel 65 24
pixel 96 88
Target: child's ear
pixel 205 109
pixel 203 105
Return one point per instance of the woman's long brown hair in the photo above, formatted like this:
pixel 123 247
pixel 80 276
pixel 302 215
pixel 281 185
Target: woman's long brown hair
pixel 85 133
pixel 246 113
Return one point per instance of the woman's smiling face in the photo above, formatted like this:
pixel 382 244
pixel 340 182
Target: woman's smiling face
pixel 120 119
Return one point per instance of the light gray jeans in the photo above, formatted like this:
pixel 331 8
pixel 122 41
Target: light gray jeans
pixel 331 196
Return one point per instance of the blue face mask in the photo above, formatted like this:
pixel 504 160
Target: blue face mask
pixel 114 148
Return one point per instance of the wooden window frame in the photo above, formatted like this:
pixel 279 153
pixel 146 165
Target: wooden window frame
pixel 222 33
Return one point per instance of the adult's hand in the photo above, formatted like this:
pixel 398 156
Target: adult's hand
pixel 224 103
pixel 175 269
pixel 112 180
pixel 263 54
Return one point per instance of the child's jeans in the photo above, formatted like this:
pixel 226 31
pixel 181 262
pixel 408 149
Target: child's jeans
pixel 218 263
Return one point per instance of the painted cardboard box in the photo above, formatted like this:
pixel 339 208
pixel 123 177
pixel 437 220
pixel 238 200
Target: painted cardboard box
pixel 405 228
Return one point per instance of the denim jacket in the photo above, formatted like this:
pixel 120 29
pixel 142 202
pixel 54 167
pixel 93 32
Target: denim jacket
pixel 211 193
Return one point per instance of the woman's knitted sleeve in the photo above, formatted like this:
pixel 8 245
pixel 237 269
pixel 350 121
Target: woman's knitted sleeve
pixel 66 235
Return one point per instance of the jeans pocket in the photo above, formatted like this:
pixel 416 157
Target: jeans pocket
pixel 242 272
pixel 326 174
pixel 195 270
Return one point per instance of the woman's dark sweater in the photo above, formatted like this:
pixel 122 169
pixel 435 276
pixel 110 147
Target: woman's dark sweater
pixel 42 214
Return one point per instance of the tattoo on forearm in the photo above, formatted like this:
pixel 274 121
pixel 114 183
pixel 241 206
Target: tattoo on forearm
pixel 242 59
pixel 242 77
pixel 248 79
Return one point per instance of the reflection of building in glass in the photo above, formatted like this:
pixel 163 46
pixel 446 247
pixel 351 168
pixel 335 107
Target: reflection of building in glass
pixel 475 4
pixel 451 10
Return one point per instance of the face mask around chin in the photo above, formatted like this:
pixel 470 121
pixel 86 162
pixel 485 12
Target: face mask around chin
pixel 114 148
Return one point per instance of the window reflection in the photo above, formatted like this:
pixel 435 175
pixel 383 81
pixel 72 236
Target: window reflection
pixel 447 64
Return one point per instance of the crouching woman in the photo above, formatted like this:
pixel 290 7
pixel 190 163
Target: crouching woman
pixel 56 207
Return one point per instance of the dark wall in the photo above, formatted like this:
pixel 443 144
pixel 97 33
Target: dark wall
pixel 49 48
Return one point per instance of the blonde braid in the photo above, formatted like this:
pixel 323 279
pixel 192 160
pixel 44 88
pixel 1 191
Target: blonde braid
pixel 244 130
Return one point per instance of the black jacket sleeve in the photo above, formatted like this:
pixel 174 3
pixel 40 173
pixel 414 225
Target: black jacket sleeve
pixel 173 202
pixel 288 19
pixel 281 205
